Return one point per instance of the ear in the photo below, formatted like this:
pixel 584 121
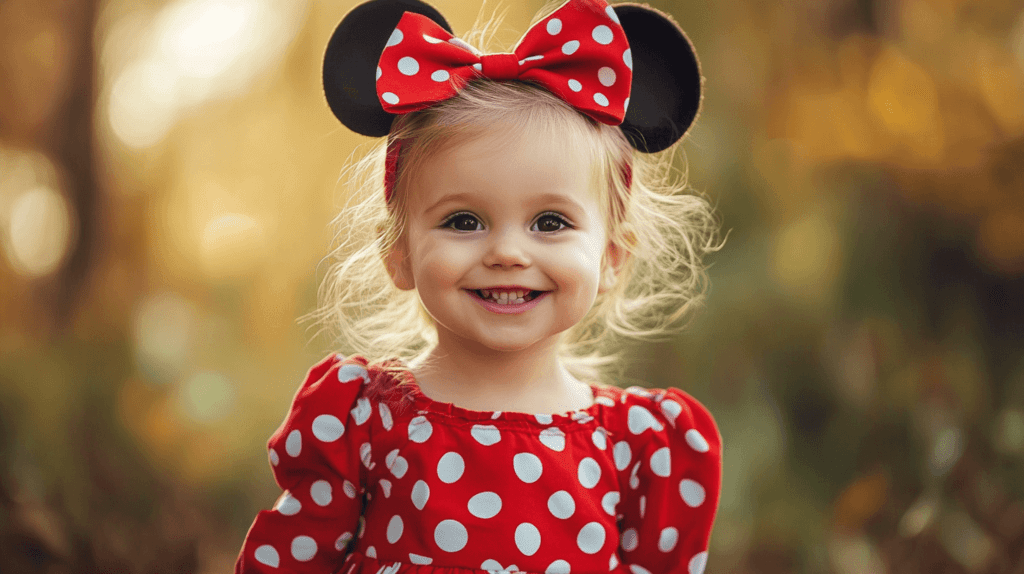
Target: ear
pixel 612 262
pixel 396 260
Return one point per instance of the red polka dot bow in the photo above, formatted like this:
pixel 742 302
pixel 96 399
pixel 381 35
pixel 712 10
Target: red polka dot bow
pixel 579 53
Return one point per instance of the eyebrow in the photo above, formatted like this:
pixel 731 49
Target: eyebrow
pixel 545 198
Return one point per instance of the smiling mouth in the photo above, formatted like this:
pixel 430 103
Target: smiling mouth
pixel 505 297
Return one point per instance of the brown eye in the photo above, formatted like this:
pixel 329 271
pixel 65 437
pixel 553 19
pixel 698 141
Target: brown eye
pixel 462 222
pixel 550 223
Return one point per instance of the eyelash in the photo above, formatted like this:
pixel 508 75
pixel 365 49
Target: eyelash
pixel 455 216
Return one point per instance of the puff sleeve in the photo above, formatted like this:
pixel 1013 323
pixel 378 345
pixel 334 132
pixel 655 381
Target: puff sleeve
pixel 315 458
pixel 671 463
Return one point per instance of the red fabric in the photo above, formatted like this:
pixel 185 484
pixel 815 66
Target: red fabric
pixel 408 485
pixel 579 53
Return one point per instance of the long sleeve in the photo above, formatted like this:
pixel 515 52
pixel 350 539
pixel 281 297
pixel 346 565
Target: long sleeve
pixel 671 464
pixel 315 458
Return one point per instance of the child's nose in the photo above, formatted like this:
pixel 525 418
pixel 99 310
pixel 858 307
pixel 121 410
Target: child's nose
pixel 507 249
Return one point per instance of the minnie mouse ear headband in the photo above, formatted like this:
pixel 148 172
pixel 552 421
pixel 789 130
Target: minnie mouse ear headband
pixel 630 66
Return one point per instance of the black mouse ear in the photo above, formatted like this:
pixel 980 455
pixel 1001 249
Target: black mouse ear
pixel 667 86
pixel 350 62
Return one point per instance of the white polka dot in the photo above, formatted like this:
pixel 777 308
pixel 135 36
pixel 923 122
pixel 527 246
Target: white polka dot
pixel 638 569
pixel 408 66
pixel 609 501
pixel 606 401
pixel 527 538
pixel 606 76
pixel 625 106
pixel 288 505
pixel 385 416
pixel 395 528
pixel 569 48
pixel 440 76
pixel 389 98
pixel 630 540
pixel 641 419
pixel 591 538
pixel 634 480
pixel 491 564
pixel 696 441
pixel 613 562
pixel 420 429
pixel 274 459
pixel 293 444
pixel 361 527
pixel 589 472
pixel 561 504
pixel 362 410
pixel 558 567
pixel 667 539
pixel 350 372
pixel 693 494
pixel 485 505
pixel 495 415
pixel 485 434
pixel 417 559
pixel 661 462
pixel 395 39
pixel 342 541
pixel 527 467
pixel 266 554
pixel 396 463
pixel 420 494
pixel 671 410
pixel 303 548
pixel 543 419
pixel 553 438
pixel 600 439
pixel 371 552
pixel 365 454
pixel 554 26
pixel 328 428
pixel 349 489
pixel 385 487
pixel 611 14
pixel 450 467
pixel 379 73
pixel 602 35
pixel 575 86
pixel 530 59
pixel 697 563
pixel 627 57
pixel 460 43
pixel 622 455
pixel 451 536
pixel 432 40
pixel 320 492
pixel 478 67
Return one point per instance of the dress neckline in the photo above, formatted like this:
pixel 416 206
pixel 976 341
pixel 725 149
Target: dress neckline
pixel 406 380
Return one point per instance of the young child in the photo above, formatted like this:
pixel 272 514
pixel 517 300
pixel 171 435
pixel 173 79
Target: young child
pixel 522 230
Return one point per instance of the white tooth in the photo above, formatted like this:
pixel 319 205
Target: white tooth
pixel 519 294
pixel 503 295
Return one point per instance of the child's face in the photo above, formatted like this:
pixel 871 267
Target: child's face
pixel 525 214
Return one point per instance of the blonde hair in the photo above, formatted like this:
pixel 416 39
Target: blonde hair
pixel 665 233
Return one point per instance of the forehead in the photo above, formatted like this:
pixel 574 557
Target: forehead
pixel 500 161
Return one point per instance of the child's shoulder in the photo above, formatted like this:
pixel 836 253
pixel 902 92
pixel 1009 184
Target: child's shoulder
pixel 669 413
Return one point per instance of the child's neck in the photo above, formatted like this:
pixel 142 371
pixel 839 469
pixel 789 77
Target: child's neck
pixel 531 381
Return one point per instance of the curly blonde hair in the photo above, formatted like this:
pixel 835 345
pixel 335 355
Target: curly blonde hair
pixel 664 231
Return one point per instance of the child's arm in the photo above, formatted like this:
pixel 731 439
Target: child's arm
pixel 670 495
pixel 315 457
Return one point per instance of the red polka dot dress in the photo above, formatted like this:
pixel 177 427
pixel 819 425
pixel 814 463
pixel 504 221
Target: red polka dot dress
pixel 388 481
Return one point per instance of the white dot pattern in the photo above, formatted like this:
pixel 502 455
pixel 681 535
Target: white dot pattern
pixel 470 482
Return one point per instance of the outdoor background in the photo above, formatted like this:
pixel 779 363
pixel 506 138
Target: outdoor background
pixel 168 170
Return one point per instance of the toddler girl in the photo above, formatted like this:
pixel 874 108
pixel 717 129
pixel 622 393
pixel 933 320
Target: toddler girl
pixel 517 236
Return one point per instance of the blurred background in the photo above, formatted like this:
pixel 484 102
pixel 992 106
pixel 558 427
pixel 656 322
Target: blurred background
pixel 168 171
